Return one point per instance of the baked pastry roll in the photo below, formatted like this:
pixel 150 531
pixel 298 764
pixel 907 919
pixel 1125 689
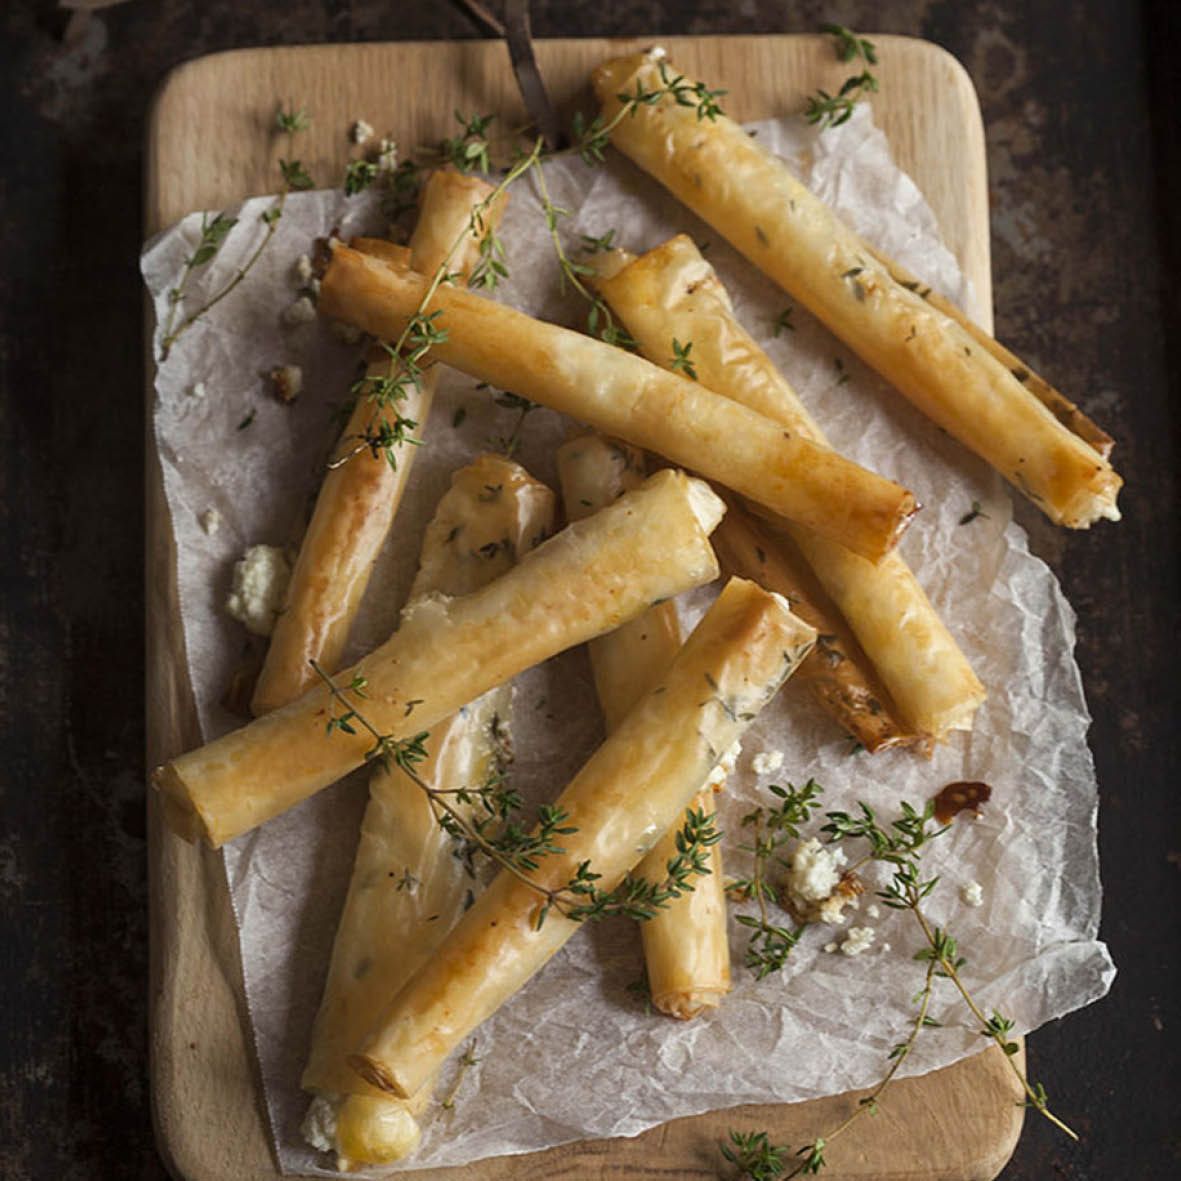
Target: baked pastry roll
pixel 626 397
pixel 361 490
pixel 630 791
pixel 751 198
pixel 408 888
pixel 673 292
pixel 591 577
pixel 686 950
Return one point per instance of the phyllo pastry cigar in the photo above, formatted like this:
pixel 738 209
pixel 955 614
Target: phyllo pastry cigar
pixel 362 487
pixel 837 672
pixel 627 397
pixel 625 797
pixel 751 198
pixel 672 292
pixel 686 952
pixel 591 577
pixel 408 887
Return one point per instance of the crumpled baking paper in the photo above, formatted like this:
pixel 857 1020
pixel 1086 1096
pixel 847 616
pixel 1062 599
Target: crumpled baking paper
pixel 575 1054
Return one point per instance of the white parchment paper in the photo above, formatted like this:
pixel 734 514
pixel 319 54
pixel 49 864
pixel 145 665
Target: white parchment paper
pixel 575 1054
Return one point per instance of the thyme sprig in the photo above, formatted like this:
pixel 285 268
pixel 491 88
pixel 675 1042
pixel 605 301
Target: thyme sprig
pixel 899 844
pixel 214 233
pixel 761 1160
pixel 516 849
pixel 468 151
pixel 771 943
pixel 831 110
pixel 599 320
pixel 422 331
pixel 592 138
pixel 510 443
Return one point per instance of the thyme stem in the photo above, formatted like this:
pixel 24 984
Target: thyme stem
pixel 947 965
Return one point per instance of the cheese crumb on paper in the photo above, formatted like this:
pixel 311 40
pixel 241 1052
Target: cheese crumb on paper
pixel 260 584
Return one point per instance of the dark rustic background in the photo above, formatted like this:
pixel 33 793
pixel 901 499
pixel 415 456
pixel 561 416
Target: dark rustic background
pixel 1079 104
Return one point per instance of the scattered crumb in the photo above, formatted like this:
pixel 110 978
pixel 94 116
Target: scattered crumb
pixel 873 911
pixel 767 762
pixel 972 894
pixel 286 382
pixel 387 156
pixel 885 947
pixel 197 389
pixel 302 311
pixel 319 1125
pixel 344 332
pixel 817 889
pixel 313 287
pixel 260 584
pixel 210 521
pixel 360 132
pixel 303 270
pixel 724 768
pixel 858 939
pixel 830 947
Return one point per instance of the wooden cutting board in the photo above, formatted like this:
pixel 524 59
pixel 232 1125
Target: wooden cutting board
pixel 208 146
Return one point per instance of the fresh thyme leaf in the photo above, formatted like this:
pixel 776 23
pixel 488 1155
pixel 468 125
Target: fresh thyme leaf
pixel 213 234
pixel 680 361
pixel 975 511
pixel 248 419
pixel 468 151
pixel 850 46
pixel 359 175
pixel 295 176
pixel 593 245
pixel 783 321
pixel 293 120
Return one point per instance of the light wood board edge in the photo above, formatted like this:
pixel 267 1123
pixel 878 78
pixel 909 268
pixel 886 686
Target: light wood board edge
pixel 206 1096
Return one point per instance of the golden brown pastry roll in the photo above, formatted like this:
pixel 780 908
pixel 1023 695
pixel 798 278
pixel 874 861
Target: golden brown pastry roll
pixel 630 791
pixel 594 575
pixel 626 397
pixel 751 198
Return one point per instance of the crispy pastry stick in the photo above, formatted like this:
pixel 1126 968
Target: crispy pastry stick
pixel 629 398
pixel 359 498
pixel 671 291
pixel 631 790
pixel 590 578
pixel 751 198
pixel 408 888
pixel 686 950
pixel 836 672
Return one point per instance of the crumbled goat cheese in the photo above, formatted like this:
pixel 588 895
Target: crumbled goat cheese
pixel 210 521
pixel 286 382
pixel 319 1125
pixel 972 894
pixel 767 762
pixel 313 288
pixel 360 132
pixel 303 270
pixel 885 947
pixel 725 768
pixel 830 947
pixel 832 909
pixel 197 389
pixel 344 332
pixel 815 870
pixel 858 939
pixel 873 911
pixel 302 311
pixel 260 583
pixel 816 889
